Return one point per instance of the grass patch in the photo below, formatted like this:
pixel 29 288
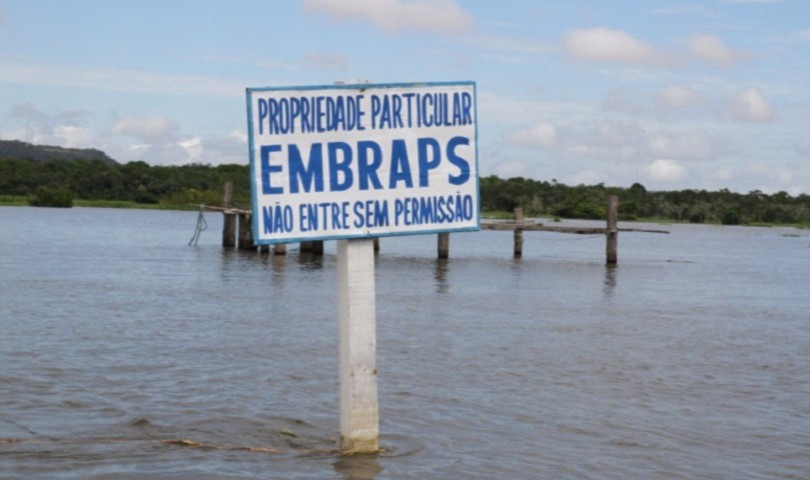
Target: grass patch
pixel 24 201
pixel 499 215
pixel 130 204
pixel 13 201
pixel 800 226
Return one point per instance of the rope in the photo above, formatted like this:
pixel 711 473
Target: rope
pixel 201 225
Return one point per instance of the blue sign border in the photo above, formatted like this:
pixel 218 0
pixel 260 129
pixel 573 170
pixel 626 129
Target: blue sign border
pixel 354 86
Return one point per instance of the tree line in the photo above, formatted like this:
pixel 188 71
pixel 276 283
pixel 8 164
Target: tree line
pixel 131 182
pixel 194 184
pixel 554 199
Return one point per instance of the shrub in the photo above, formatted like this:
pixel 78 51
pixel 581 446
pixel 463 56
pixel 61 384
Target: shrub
pixel 51 197
pixel 731 217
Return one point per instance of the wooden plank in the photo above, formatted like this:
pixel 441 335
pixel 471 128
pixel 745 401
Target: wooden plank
pixel 539 227
pixel 642 230
pixel 212 208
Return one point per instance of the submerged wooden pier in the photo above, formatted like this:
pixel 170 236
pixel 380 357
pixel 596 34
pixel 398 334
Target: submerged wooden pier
pixel 236 231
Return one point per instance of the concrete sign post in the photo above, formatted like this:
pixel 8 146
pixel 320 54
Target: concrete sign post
pixel 353 162
pixel 359 415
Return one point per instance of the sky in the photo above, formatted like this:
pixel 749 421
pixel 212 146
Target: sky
pixel 676 94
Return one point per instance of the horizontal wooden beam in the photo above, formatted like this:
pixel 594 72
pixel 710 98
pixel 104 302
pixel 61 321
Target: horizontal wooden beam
pixel 539 227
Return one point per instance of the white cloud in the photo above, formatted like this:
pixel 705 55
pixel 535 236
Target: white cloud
pixel 156 140
pixel 586 177
pixel 724 174
pixel 621 99
pixel 585 151
pixel 396 16
pixel 525 107
pixel 618 133
pixel 606 45
pixel 193 147
pixel 202 149
pixel 170 153
pixel 676 97
pixel 509 169
pixel 75 137
pixel 709 48
pixel 61 128
pixel 601 139
pixel 538 135
pixel 238 136
pixel 32 115
pixel 120 80
pixel 225 149
pixel 159 142
pixel 148 129
pixel 749 105
pixel 694 146
pixel 663 170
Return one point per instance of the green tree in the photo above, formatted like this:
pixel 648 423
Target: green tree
pixel 51 197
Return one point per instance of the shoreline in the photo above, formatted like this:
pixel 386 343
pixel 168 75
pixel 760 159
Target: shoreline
pixel 18 201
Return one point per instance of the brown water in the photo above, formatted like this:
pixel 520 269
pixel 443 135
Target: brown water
pixel 125 353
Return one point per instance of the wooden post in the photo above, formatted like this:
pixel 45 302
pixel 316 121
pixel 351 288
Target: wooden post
pixel 612 229
pixel 229 219
pixel 359 412
pixel 313 246
pixel 444 245
pixel 518 232
pixel 245 232
pixel 317 247
pixel 279 249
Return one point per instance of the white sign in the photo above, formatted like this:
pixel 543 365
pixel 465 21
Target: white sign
pixel 355 161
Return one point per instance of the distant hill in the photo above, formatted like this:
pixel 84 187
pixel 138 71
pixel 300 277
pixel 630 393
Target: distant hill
pixel 16 149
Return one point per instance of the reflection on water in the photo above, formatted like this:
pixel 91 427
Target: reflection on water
pixel 311 261
pixel 127 354
pixel 611 272
pixel 358 467
pixel 442 267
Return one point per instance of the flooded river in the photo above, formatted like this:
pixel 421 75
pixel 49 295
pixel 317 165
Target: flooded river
pixel 127 354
